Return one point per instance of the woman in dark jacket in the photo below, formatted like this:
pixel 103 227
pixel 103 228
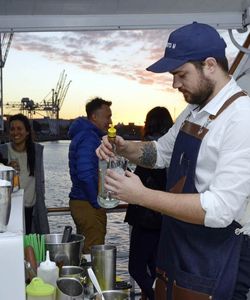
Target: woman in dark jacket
pixel 146 223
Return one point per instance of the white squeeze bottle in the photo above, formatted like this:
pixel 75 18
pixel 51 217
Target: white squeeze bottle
pixel 48 271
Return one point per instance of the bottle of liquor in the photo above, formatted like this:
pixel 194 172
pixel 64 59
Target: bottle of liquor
pixel 118 163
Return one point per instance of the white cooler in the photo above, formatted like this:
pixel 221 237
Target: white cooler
pixel 12 275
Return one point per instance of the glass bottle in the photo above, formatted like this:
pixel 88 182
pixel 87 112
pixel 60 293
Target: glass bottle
pixel 14 163
pixel 16 181
pixel 119 164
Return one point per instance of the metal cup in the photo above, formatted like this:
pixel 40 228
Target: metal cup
pixel 103 258
pixel 5 204
pixel 69 289
pixel 111 295
pixel 73 272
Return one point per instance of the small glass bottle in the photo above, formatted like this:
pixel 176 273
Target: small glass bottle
pixel 118 163
pixel 14 163
pixel 16 181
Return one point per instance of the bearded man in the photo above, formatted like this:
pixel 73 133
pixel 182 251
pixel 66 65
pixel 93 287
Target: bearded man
pixel 207 153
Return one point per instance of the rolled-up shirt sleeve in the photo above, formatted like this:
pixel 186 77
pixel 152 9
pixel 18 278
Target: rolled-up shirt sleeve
pixel 226 197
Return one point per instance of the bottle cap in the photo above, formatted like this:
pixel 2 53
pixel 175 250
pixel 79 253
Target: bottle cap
pixel 38 287
pixel 47 264
pixel 111 131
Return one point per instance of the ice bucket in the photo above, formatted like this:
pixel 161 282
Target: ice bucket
pixel 64 254
pixel 5 204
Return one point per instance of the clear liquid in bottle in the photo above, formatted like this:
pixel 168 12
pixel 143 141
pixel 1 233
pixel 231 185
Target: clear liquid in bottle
pixel 104 198
pixel 118 163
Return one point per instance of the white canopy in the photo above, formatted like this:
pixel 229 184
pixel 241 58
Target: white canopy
pixel 73 15
pixel 63 15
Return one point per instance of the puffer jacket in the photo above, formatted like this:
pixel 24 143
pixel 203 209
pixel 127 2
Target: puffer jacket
pixel 83 161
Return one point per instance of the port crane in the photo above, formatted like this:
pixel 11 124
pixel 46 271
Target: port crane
pixel 5 42
pixel 50 105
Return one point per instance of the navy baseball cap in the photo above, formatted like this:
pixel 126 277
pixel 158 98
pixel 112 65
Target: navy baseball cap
pixel 193 42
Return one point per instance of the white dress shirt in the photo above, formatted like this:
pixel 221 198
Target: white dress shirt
pixel 222 176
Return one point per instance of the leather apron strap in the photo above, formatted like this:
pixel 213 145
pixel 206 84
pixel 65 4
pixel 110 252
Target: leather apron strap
pixel 228 102
pixel 199 132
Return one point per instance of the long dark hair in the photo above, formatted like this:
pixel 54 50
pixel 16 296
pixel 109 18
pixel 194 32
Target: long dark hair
pixel 29 143
pixel 158 122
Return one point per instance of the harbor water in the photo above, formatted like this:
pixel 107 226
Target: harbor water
pixel 58 184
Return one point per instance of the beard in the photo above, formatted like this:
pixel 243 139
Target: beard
pixel 203 92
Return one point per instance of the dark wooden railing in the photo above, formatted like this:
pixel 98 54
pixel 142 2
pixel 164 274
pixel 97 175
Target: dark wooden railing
pixel 54 211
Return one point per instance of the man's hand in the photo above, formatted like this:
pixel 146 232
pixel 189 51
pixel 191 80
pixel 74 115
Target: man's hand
pixel 106 149
pixel 128 188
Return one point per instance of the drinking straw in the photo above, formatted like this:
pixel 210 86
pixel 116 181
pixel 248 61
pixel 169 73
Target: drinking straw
pixel 38 247
pixel 43 240
pixel 25 241
pixel 38 244
pixel 31 241
pixel 42 248
pixel 35 246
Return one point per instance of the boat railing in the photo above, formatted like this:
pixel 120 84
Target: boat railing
pixel 56 211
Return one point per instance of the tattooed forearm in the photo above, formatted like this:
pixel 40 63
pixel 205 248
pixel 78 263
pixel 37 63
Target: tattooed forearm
pixel 148 157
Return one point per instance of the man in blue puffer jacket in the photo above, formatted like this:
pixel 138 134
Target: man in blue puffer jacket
pixel 85 135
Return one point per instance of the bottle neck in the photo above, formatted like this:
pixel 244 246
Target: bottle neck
pixel 112 142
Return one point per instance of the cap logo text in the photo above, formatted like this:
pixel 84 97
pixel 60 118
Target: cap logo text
pixel 171 45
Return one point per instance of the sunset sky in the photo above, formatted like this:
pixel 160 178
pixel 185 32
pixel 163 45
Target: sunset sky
pixel 108 64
